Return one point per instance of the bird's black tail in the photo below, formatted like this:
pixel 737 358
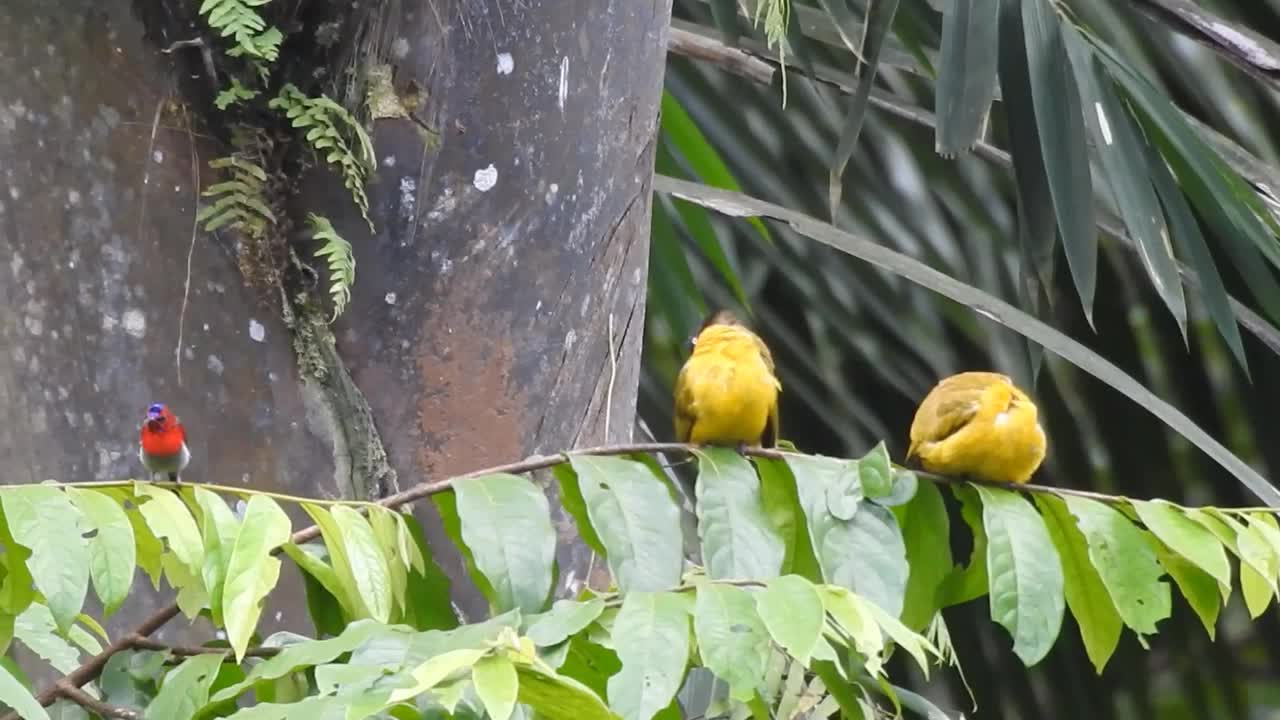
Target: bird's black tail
pixel 173 477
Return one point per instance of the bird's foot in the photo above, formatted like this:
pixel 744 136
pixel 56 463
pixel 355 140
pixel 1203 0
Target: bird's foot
pixel 741 448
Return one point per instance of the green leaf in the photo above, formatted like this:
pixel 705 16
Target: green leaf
pixel 45 522
pixel 651 634
pixel 1199 587
pixel 558 696
pixel 447 507
pixel 17 589
pixel 219 528
pixel 186 688
pixel 310 558
pixel 170 521
pixel 323 607
pixel 386 532
pixel 738 540
pixel 792 611
pixel 497 685
pixel 782 503
pixel 637 520
pixel 879 19
pixel 13 694
pixel 36 629
pixel 966 73
pixel 965 583
pixel 1125 562
pixel 339 558
pixel 574 504
pixel 305 654
pixel 112 554
pixel 865 554
pixel 1060 124
pixel 851 613
pixel 875 473
pixel 1100 625
pixel 251 570
pixel 565 618
pixel 733 641
pixel 368 564
pixel 506 522
pixel 429 604
pixel 1185 537
pixel 1026 585
pixel 926 535
pixel 1119 147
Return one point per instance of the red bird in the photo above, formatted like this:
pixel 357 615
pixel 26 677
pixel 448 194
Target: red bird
pixel 162 443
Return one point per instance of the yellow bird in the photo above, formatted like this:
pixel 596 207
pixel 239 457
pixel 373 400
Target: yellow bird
pixel 727 393
pixel 978 424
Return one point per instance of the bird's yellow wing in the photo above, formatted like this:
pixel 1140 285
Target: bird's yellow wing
pixel 683 411
pixel 952 404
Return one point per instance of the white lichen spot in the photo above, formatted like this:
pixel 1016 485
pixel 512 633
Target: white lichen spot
pixel 552 192
pixel 408 197
pixel 400 48
pixel 73 197
pixel 636 276
pixel 257 331
pixel 158 156
pixel 486 178
pixel 206 327
pixel 505 63
pixel 569 338
pixel 1103 125
pixel 134 322
pixel 389 161
pixel 563 93
pixel 537 307
pixel 14 192
pixel 272 376
pixel 35 326
pixel 279 615
pixel 214 363
pixel 390 298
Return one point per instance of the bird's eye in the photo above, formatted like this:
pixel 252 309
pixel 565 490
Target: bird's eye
pixel 693 340
pixel 155 408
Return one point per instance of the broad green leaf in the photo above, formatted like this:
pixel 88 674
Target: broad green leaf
pixel 1060 124
pixel 112 553
pixel 558 696
pixel 368 564
pixel 131 677
pixel 45 522
pixel 1186 537
pixel 875 473
pixel 219 527
pixel 339 558
pixel 429 604
pixel 506 523
pixel 1119 146
pixel 1125 562
pixel 651 634
pixel 36 629
pixel 965 583
pixel 149 548
pixel 739 205
pixel 966 73
pixel 1200 589
pixel 251 570
pixel 674 297
pixel 323 607
pixel 186 688
pixel 1025 573
pixel 386 534
pixel 565 618
pixel 732 639
pixel 841 689
pixel 170 521
pixel 305 654
pixel 637 521
pixel 738 540
pixel 497 685
pixel 916 645
pixel 850 612
pixel 878 21
pixel 574 504
pixel 13 694
pixel 1100 625
pixel 926 535
pixel 591 663
pixel 1254 550
pixel 792 611
pixel 866 553
pixel 782 503
pixel 310 559
pixel 17 589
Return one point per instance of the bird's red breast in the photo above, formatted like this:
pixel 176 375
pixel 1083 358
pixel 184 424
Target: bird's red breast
pixel 162 437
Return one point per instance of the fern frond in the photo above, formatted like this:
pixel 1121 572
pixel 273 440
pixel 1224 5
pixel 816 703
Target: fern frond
pixel 334 134
pixel 241 201
pixel 239 20
pixel 342 262
pixel 234 94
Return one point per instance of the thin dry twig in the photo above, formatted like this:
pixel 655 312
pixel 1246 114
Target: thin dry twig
pixel 191 249
pixel 94 705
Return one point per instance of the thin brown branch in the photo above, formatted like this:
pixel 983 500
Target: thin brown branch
pixel 94 705
pixel 144 643
pixel 139 637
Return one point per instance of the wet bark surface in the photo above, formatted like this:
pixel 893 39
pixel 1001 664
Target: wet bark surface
pixel 497 311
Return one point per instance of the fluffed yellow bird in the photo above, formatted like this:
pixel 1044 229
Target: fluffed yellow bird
pixel 978 424
pixel 727 393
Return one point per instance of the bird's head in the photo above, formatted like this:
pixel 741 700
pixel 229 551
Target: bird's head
pixel 719 317
pixel 157 417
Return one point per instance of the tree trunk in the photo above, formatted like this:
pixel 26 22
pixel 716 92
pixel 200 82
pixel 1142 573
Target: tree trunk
pixel 511 204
